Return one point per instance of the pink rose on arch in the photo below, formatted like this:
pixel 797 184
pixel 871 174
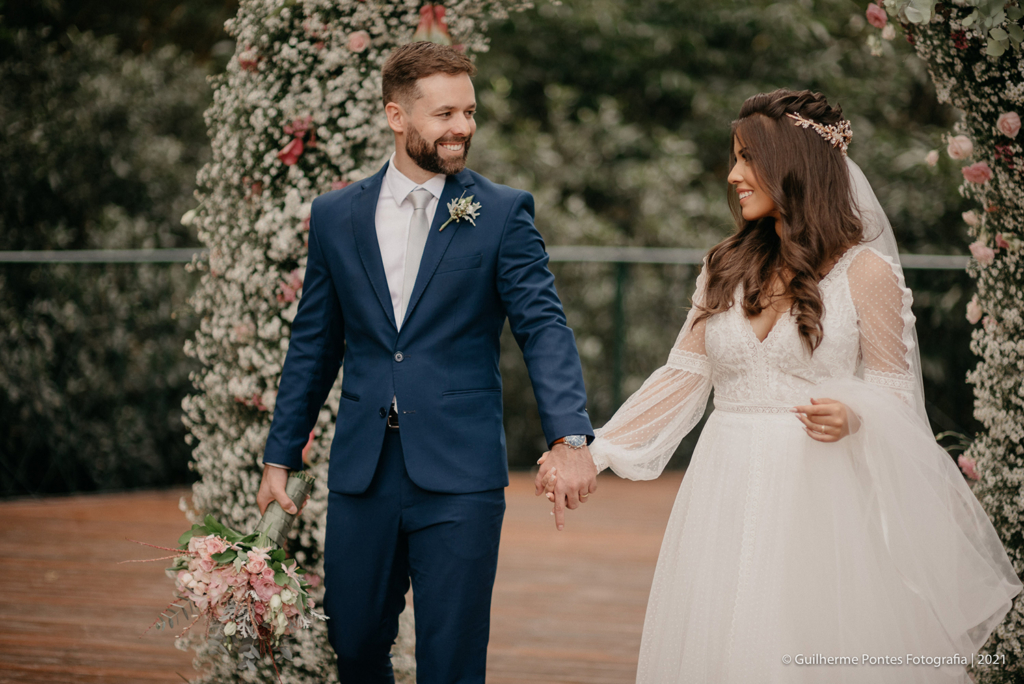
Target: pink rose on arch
pixel 876 16
pixel 960 147
pixel 299 126
pixel 1009 124
pixel 290 288
pixel 358 41
pixel 969 467
pixel 932 158
pixel 979 173
pixel 982 252
pixel 1001 242
pixel 289 156
pixel 971 219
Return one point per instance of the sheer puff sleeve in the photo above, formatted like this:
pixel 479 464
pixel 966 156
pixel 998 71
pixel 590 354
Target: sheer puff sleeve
pixel 641 437
pixel 886 324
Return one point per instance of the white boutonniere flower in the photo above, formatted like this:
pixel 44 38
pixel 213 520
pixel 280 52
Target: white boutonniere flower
pixel 462 208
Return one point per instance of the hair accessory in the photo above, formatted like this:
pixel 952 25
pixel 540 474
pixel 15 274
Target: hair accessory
pixel 838 135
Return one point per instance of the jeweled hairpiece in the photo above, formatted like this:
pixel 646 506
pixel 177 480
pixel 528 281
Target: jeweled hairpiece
pixel 838 135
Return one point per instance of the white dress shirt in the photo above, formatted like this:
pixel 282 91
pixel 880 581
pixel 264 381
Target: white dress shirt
pixel 394 212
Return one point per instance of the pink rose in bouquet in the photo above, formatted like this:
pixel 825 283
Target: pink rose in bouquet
pixel 251 594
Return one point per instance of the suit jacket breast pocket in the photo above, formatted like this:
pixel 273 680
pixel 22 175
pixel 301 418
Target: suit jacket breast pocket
pixel 460 263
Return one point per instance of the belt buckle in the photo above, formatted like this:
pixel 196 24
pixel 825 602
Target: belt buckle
pixel 393 418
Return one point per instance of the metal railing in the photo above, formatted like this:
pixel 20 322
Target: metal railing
pixel 558 253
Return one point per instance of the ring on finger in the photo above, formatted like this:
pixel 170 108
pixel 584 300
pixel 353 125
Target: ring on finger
pixel 584 496
pixel 821 429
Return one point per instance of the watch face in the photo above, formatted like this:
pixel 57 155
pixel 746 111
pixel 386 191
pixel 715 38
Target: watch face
pixel 576 441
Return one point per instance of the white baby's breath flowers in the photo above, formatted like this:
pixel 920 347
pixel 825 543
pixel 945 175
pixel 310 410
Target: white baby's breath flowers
pixel 987 88
pixel 297 114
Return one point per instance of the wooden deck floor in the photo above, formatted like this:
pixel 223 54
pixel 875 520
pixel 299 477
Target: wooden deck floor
pixel 568 607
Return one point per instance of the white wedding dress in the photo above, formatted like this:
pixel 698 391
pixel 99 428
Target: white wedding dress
pixel 779 545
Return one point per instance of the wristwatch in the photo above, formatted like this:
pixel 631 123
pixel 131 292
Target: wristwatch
pixel 572 441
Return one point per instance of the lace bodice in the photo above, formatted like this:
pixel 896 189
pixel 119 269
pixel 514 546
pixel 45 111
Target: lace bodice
pixel 868 331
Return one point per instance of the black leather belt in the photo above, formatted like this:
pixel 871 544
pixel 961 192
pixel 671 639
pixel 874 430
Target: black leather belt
pixel 392 418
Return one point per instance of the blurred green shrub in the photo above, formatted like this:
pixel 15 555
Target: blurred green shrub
pixel 98 150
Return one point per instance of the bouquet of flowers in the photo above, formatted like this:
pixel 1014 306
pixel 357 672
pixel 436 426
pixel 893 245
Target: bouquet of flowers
pixel 251 594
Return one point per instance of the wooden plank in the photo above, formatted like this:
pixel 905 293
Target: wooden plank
pixel 568 606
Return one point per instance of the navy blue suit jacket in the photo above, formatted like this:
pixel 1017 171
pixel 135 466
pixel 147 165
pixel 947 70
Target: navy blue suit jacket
pixel 443 365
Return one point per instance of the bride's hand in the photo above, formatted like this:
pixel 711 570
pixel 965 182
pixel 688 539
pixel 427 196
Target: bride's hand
pixel 546 476
pixel 826 420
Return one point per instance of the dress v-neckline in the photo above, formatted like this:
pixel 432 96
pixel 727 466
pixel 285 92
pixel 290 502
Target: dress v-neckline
pixel 748 324
pixel 753 333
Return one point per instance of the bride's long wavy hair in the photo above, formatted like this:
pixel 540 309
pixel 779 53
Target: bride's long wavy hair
pixel 808 181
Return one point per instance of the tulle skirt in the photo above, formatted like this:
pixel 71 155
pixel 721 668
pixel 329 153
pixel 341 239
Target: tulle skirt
pixel 782 553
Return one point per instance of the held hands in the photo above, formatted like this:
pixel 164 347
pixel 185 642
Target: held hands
pixel 272 488
pixel 567 476
pixel 827 420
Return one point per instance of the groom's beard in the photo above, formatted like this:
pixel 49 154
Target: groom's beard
pixel 426 156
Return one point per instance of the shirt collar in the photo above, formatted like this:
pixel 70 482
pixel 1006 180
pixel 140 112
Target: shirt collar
pixel 401 185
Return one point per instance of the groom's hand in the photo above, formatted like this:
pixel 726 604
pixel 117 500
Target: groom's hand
pixel 575 478
pixel 272 488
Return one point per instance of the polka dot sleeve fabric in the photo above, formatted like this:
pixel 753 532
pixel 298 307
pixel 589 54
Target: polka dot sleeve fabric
pixel 886 323
pixel 641 437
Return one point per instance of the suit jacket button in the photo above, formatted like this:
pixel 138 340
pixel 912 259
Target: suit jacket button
pixel 383 412
pixel 399 357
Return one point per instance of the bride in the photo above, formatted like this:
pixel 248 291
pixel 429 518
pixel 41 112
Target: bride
pixel 818 518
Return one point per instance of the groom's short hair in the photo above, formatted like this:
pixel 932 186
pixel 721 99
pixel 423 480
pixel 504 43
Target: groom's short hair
pixel 409 63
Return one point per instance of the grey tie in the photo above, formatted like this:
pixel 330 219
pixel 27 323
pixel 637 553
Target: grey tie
pixel 419 228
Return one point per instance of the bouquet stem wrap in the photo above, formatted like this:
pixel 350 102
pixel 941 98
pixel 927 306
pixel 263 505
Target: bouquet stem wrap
pixel 275 524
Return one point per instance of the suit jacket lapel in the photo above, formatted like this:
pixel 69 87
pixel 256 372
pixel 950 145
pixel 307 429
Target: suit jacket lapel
pixel 364 227
pixel 437 241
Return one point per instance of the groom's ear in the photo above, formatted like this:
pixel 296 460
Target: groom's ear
pixel 397 117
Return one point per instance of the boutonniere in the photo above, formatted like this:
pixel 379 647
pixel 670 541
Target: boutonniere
pixel 462 208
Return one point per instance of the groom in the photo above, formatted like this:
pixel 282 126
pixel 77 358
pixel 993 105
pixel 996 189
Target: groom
pixel 414 302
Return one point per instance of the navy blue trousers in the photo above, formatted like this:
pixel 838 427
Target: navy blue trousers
pixel 394 532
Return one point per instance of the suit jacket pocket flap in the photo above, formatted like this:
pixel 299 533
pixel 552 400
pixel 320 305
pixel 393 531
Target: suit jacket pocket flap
pixel 470 392
pixel 460 263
